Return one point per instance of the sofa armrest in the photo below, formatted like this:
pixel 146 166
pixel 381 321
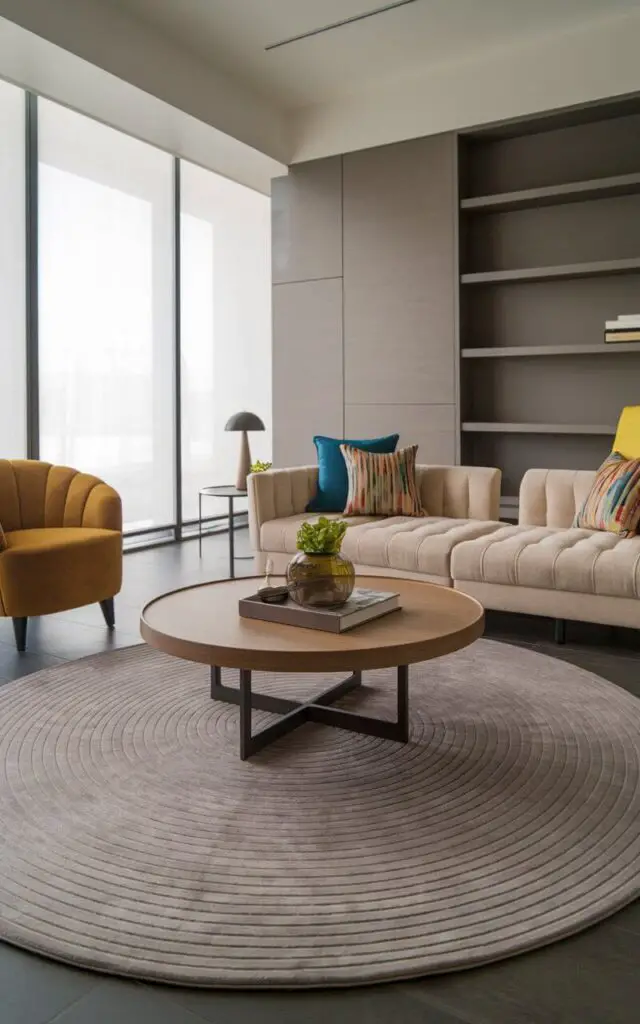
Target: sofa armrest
pixel 278 493
pixel 103 509
pixel 551 497
pixel 460 492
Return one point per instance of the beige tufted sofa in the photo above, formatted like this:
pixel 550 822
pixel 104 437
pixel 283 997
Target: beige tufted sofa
pixel 542 566
pixel 463 503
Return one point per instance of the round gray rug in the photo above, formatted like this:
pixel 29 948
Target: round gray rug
pixel 133 840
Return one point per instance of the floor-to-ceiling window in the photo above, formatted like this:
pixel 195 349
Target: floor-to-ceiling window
pixel 106 310
pixel 225 325
pixel 13 391
pixel 134 311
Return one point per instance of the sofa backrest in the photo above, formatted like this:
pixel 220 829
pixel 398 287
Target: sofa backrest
pixel 551 497
pixel 460 492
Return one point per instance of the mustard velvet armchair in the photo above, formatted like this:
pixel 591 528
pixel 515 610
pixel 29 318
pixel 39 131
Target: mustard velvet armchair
pixel 62 542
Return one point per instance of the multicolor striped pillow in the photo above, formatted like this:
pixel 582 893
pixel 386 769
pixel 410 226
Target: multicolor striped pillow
pixel 382 484
pixel 613 503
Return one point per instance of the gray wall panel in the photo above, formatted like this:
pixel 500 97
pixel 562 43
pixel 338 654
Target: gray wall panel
pixel 306 212
pixel 399 273
pixel 307 368
pixel 398 349
pixel 395 298
pixel 431 427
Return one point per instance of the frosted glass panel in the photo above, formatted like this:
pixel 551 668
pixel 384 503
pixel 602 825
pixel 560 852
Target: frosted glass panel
pixel 106 310
pixel 225 326
pixel 13 420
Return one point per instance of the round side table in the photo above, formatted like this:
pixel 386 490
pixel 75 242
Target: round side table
pixel 230 493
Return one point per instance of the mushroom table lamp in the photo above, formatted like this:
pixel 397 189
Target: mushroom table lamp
pixel 244 421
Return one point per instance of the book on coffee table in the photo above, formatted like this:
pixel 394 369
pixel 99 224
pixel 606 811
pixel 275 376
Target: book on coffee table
pixel 363 606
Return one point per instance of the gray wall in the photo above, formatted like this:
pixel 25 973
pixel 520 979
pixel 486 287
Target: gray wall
pixel 365 300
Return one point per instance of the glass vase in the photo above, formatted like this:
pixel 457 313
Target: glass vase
pixel 320 581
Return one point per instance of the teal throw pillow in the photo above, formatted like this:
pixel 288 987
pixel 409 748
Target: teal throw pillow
pixel 333 482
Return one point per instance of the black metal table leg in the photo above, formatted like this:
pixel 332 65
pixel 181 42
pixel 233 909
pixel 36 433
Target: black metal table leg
pixel 231 542
pixel 403 703
pixel 245 714
pixel 318 709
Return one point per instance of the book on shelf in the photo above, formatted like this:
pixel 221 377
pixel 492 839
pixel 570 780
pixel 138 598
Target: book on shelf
pixel 623 322
pixel 613 337
pixel 364 605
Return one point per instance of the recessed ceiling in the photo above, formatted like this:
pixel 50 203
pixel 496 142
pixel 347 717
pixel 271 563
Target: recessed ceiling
pixel 233 36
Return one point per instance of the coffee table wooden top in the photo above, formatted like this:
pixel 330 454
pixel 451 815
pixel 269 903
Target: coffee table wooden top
pixel 202 624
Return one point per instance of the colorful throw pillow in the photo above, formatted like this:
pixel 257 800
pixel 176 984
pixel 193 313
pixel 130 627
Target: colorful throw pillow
pixel 382 485
pixel 613 503
pixel 333 485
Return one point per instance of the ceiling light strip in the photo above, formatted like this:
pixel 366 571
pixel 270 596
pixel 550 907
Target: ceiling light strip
pixel 340 24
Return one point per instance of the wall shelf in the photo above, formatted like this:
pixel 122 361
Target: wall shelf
pixel 597 267
pixel 523 351
pixel 538 428
pixel 553 195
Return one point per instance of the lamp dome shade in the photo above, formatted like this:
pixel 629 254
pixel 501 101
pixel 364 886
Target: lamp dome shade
pixel 244 421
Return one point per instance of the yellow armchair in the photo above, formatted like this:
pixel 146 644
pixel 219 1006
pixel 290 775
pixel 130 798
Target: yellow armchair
pixel 62 542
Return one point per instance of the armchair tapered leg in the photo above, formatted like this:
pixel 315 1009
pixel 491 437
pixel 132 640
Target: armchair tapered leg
pixel 109 612
pixel 20 630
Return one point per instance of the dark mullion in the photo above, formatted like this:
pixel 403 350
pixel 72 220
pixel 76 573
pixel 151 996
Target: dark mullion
pixel 178 347
pixel 31 227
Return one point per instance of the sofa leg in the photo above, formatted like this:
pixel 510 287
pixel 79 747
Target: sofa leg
pixel 109 612
pixel 20 631
pixel 560 631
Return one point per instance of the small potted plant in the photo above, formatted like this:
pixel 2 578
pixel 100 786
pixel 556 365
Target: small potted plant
pixel 319 575
pixel 260 467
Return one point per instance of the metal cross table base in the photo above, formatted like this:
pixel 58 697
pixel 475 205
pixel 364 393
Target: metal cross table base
pixel 296 713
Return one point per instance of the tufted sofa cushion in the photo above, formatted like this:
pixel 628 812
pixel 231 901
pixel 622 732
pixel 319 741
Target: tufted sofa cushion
pixel 280 534
pixel 540 557
pixel 401 542
pixel 410 544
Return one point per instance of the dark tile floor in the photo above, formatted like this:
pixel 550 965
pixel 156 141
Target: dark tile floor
pixel 593 978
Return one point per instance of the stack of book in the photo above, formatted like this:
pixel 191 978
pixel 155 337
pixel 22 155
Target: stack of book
pixel 624 328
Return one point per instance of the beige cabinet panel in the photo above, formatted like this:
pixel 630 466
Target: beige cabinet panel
pixel 307 368
pixel 431 427
pixel 306 222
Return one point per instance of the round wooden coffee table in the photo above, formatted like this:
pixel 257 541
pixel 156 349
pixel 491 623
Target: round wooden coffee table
pixel 202 624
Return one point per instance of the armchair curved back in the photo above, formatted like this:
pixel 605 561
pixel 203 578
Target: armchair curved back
pixel 36 494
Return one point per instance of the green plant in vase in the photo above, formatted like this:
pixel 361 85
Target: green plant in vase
pixel 260 467
pixel 319 575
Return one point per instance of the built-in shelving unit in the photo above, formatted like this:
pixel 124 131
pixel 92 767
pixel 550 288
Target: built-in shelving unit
pixel 549 249
pixel 529 351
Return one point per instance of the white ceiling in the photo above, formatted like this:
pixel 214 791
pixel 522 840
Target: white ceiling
pixel 194 75
pixel 425 34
